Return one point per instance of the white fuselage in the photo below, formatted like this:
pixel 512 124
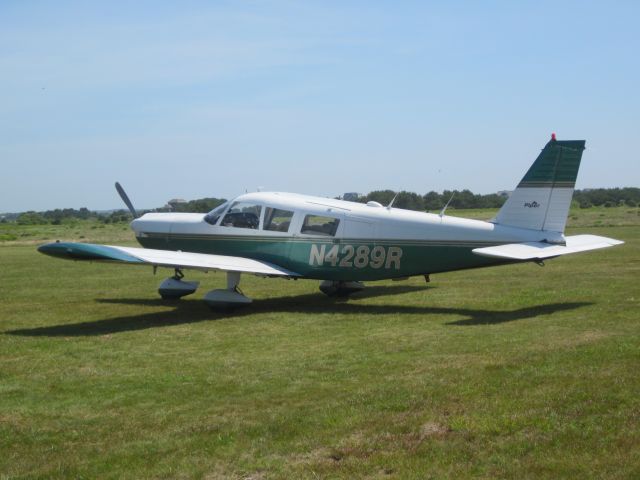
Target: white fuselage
pixel 357 221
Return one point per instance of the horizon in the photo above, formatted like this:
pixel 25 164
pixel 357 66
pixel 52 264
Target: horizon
pixel 138 208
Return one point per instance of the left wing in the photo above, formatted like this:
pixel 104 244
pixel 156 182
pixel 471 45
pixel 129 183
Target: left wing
pixel 162 258
pixel 541 250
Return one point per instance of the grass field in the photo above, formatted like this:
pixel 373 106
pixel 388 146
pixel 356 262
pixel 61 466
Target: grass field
pixel 510 372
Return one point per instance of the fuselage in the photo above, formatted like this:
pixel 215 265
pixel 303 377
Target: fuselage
pixel 332 239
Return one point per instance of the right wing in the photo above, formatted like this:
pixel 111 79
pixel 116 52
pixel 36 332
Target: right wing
pixel 163 258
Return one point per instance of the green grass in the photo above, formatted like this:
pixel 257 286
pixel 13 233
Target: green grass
pixel 79 231
pixel 578 217
pixel 510 372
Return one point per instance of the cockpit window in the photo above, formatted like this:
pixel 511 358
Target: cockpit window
pixel 213 216
pixel 243 215
pixel 277 220
pixel 317 225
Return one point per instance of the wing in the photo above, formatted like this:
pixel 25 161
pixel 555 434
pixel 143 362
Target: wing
pixel 162 258
pixel 540 250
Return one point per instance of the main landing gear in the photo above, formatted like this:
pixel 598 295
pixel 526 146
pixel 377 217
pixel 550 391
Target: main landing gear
pixel 229 298
pixel 232 297
pixel 175 287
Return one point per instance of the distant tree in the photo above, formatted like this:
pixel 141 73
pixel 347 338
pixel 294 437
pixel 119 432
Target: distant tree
pixel 202 205
pixel 409 201
pixel 493 200
pixel 381 196
pixel 31 218
pixel 432 201
pixel 613 196
pixel 463 199
pixel 117 216
pixel 84 213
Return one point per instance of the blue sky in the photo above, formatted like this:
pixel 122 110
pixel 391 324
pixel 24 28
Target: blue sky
pixel 197 99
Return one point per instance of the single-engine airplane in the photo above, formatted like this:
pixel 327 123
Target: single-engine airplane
pixel 342 243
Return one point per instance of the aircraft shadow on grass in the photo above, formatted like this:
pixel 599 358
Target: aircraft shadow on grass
pixel 186 311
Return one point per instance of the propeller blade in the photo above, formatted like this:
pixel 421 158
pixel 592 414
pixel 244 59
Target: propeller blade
pixel 125 199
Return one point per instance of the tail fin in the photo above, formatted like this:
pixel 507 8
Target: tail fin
pixel 542 199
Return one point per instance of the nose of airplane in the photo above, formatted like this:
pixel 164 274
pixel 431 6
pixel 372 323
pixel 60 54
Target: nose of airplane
pixel 135 225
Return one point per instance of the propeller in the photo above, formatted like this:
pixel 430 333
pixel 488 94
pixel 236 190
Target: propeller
pixel 125 199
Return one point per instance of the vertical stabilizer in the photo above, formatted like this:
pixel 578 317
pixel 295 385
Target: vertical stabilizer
pixel 542 199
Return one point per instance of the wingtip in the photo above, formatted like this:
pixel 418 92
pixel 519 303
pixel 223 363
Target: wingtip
pixel 54 249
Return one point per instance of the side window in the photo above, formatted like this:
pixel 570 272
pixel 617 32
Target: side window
pixel 317 225
pixel 242 215
pixel 277 220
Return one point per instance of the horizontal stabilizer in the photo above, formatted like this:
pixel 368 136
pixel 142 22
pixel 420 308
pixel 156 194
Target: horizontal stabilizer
pixel 540 250
pixel 162 258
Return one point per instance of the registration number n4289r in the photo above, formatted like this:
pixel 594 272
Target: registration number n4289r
pixel 358 256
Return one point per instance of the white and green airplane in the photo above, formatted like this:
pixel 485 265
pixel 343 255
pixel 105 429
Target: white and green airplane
pixel 343 244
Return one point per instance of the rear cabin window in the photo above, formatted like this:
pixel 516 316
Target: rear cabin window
pixel 317 225
pixel 277 220
pixel 243 215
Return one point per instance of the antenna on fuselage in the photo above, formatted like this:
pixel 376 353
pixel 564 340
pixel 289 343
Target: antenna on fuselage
pixel 444 209
pixel 125 199
pixel 392 200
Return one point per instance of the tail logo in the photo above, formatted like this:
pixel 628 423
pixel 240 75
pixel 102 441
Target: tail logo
pixel 533 204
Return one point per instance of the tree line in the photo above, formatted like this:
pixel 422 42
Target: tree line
pixel 596 197
pixel 607 197
pixel 431 201
pixel 61 216
pixel 434 200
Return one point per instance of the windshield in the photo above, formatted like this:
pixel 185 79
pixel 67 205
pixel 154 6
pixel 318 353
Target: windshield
pixel 213 216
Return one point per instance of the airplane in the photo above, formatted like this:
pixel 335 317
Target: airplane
pixel 342 243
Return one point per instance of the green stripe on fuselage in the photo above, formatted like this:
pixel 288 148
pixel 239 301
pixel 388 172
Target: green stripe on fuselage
pixel 335 259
